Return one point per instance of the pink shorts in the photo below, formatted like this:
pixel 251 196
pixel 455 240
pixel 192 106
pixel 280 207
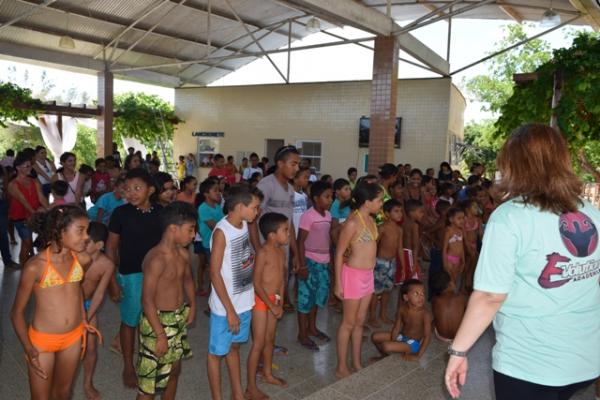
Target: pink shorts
pixel 357 283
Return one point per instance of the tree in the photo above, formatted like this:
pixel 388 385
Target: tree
pixel 480 144
pixel 496 87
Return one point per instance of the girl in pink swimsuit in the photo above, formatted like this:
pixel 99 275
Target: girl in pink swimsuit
pixel 354 263
pixel 453 252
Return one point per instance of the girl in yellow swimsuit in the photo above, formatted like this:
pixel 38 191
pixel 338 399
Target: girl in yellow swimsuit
pixel 354 281
pixel 53 342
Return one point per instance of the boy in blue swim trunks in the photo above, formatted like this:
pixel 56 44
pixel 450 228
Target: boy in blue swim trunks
pixel 232 296
pixel 411 333
pixel 94 284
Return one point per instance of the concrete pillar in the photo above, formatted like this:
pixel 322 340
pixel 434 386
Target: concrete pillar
pixel 383 102
pixel 105 120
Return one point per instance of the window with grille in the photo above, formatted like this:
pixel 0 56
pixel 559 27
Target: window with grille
pixel 311 150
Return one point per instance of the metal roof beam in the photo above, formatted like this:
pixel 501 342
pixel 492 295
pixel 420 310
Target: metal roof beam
pixel 124 23
pixel 27 13
pixel 510 11
pixel 217 12
pixel 81 63
pixel 96 41
pixel 367 19
pixel 591 11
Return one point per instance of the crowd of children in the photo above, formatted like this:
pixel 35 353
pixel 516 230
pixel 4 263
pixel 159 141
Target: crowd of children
pixel 273 240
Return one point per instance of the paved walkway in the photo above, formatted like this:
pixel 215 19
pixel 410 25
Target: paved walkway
pixel 310 375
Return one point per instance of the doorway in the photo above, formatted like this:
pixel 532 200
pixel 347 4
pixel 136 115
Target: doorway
pixel 272 145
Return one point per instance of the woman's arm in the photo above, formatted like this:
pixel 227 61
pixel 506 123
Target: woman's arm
pixel 40 194
pixel 481 309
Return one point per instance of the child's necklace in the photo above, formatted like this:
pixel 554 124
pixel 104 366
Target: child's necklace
pixel 149 210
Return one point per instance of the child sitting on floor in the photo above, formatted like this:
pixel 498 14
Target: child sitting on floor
pixel 411 333
pixel 167 283
pixel 313 277
pixel 232 297
pixel 95 281
pixel 269 273
pixel 389 247
pixel 448 307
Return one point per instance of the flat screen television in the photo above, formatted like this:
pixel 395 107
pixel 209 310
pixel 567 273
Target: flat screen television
pixel 364 127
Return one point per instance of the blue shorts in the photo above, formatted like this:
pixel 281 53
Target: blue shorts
pixel 200 249
pixel 314 290
pixel 23 230
pixel 415 345
pixel 385 273
pixel 131 300
pixel 220 337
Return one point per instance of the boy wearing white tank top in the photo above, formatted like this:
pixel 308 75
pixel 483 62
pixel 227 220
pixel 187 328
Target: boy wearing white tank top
pixel 232 296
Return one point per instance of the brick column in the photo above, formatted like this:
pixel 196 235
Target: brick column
pixel 105 120
pixel 383 102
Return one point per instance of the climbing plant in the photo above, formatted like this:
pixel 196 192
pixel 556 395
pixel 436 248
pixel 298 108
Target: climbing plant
pixel 579 109
pixel 146 118
pixel 16 104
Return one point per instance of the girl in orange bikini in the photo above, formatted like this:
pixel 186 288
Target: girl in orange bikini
pixel 54 340
pixel 354 264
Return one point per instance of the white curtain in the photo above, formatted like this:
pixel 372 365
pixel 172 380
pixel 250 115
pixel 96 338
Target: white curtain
pixel 54 143
pixel 136 144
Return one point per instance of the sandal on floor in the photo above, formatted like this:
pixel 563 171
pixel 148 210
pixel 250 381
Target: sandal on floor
pixel 280 350
pixel 309 344
pixel 322 336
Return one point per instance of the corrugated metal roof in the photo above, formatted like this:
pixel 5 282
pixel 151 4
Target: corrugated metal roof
pixel 155 32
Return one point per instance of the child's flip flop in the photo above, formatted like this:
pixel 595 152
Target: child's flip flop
pixel 280 350
pixel 322 336
pixel 309 344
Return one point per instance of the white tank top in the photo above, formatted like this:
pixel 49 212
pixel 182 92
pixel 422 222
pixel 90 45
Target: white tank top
pixel 45 166
pixel 236 270
pixel 70 196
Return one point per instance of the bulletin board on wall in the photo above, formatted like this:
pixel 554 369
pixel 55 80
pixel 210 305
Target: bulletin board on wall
pixel 207 145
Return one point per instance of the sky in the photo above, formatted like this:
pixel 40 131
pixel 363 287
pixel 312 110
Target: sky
pixel 471 40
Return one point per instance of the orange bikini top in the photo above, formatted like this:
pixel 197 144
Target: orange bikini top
pixel 51 277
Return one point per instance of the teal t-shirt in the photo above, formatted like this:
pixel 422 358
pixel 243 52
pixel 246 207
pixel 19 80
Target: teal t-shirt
pixel 339 213
pixel 208 213
pixel 548 329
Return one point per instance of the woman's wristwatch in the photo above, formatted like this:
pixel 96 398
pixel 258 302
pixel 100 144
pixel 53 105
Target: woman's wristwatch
pixel 456 353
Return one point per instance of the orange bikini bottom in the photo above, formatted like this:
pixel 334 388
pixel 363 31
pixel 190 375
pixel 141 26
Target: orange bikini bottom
pixel 260 305
pixel 55 342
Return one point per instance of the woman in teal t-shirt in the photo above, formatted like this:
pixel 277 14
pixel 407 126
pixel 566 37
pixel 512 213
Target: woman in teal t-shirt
pixel 537 277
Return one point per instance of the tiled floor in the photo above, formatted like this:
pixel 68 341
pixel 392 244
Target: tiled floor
pixel 310 375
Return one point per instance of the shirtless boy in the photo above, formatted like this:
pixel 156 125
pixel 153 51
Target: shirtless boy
pixel 389 249
pixel 269 271
pixel 168 281
pixel 448 307
pixel 94 284
pixel 411 333
pixel 412 238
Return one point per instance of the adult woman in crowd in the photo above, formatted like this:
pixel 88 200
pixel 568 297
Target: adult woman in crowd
pixel 537 277
pixel 445 172
pixel 44 168
pixel 67 173
pixel 26 198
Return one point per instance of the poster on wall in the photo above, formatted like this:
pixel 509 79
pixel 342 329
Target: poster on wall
pixel 207 146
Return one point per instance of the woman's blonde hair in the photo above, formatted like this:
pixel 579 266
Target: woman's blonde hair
pixel 536 165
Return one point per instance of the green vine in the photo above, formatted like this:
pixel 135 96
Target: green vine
pixel 16 104
pixel 144 117
pixel 579 109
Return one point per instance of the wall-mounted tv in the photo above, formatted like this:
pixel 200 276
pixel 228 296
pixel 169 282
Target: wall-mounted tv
pixel 364 128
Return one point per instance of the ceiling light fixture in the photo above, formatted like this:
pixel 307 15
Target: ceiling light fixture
pixel 66 41
pixel 313 25
pixel 550 18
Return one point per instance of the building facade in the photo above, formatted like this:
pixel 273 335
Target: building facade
pixel 322 119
